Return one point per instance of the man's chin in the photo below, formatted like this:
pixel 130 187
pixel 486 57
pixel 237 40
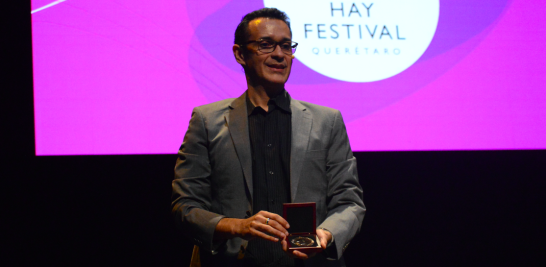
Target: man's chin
pixel 276 79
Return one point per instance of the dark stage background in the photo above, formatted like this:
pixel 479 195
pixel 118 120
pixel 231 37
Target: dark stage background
pixel 443 208
pixel 477 208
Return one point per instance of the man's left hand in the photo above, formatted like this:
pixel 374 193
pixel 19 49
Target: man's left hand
pixel 324 236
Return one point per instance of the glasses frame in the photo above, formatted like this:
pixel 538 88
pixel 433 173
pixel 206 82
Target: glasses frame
pixel 293 46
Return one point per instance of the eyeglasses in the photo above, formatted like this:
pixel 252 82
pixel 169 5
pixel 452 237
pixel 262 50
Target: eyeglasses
pixel 268 46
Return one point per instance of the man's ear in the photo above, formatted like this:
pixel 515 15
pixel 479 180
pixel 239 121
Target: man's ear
pixel 238 53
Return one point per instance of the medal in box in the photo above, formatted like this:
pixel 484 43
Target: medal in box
pixel 302 234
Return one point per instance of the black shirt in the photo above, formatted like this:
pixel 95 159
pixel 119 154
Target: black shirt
pixel 270 140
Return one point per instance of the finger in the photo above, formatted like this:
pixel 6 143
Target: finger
pixel 299 254
pixel 323 243
pixel 322 237
pixel 268 229
pixel 275 217
pixel 262 235
pixel 284 245
pixel 281 220
pixel 273 223
pixel 263 217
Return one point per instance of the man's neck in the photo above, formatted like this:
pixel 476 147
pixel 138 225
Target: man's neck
pixel 260 95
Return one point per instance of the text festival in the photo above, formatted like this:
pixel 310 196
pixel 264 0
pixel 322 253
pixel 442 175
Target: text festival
pixel 352 31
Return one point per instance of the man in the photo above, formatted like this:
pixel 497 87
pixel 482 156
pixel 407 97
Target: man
pixel 242 158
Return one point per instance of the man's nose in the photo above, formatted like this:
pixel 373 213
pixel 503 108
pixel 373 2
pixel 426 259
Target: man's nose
pixel 278 53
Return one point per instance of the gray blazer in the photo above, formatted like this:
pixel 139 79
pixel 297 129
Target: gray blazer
pixel 213 176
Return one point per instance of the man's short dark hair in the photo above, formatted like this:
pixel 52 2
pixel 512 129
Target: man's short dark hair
pixel 241 33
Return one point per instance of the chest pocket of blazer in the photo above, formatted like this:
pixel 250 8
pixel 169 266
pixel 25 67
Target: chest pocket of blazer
pixel 316 154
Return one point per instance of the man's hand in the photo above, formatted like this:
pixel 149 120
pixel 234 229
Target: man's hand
pixel 263 224
pixel 324 236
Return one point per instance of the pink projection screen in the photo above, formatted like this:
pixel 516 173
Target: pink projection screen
pixel 122 77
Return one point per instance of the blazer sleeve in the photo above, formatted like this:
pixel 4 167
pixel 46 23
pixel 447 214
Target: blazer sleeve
pixel 191 194
pixel 344 201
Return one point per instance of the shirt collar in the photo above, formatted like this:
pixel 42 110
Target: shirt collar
pixel 281 101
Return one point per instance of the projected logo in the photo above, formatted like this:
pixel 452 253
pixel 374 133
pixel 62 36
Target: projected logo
pixel 360 41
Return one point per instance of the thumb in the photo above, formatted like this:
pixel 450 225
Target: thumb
pixel 323 236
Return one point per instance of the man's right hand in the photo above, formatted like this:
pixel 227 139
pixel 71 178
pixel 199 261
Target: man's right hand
pixel 258 225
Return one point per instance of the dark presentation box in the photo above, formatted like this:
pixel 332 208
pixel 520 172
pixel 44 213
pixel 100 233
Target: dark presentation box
pixel 302 234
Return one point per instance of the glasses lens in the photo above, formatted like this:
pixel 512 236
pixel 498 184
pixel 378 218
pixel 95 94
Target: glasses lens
pixel 266 46
pixel 286 47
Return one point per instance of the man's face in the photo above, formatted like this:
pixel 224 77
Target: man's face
pixel 267 68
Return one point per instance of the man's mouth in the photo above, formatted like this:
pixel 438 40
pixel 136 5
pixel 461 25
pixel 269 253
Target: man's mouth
pixel 276 67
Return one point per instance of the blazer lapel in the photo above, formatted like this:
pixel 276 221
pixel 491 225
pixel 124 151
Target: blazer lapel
pixel 237 122
pixel 301 128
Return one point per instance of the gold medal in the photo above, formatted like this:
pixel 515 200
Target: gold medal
pixel 302 241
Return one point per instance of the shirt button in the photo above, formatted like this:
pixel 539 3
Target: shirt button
pixel 270 172
pixel 269 145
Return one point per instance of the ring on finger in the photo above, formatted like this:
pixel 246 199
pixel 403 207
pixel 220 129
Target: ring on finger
pixel 267 221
